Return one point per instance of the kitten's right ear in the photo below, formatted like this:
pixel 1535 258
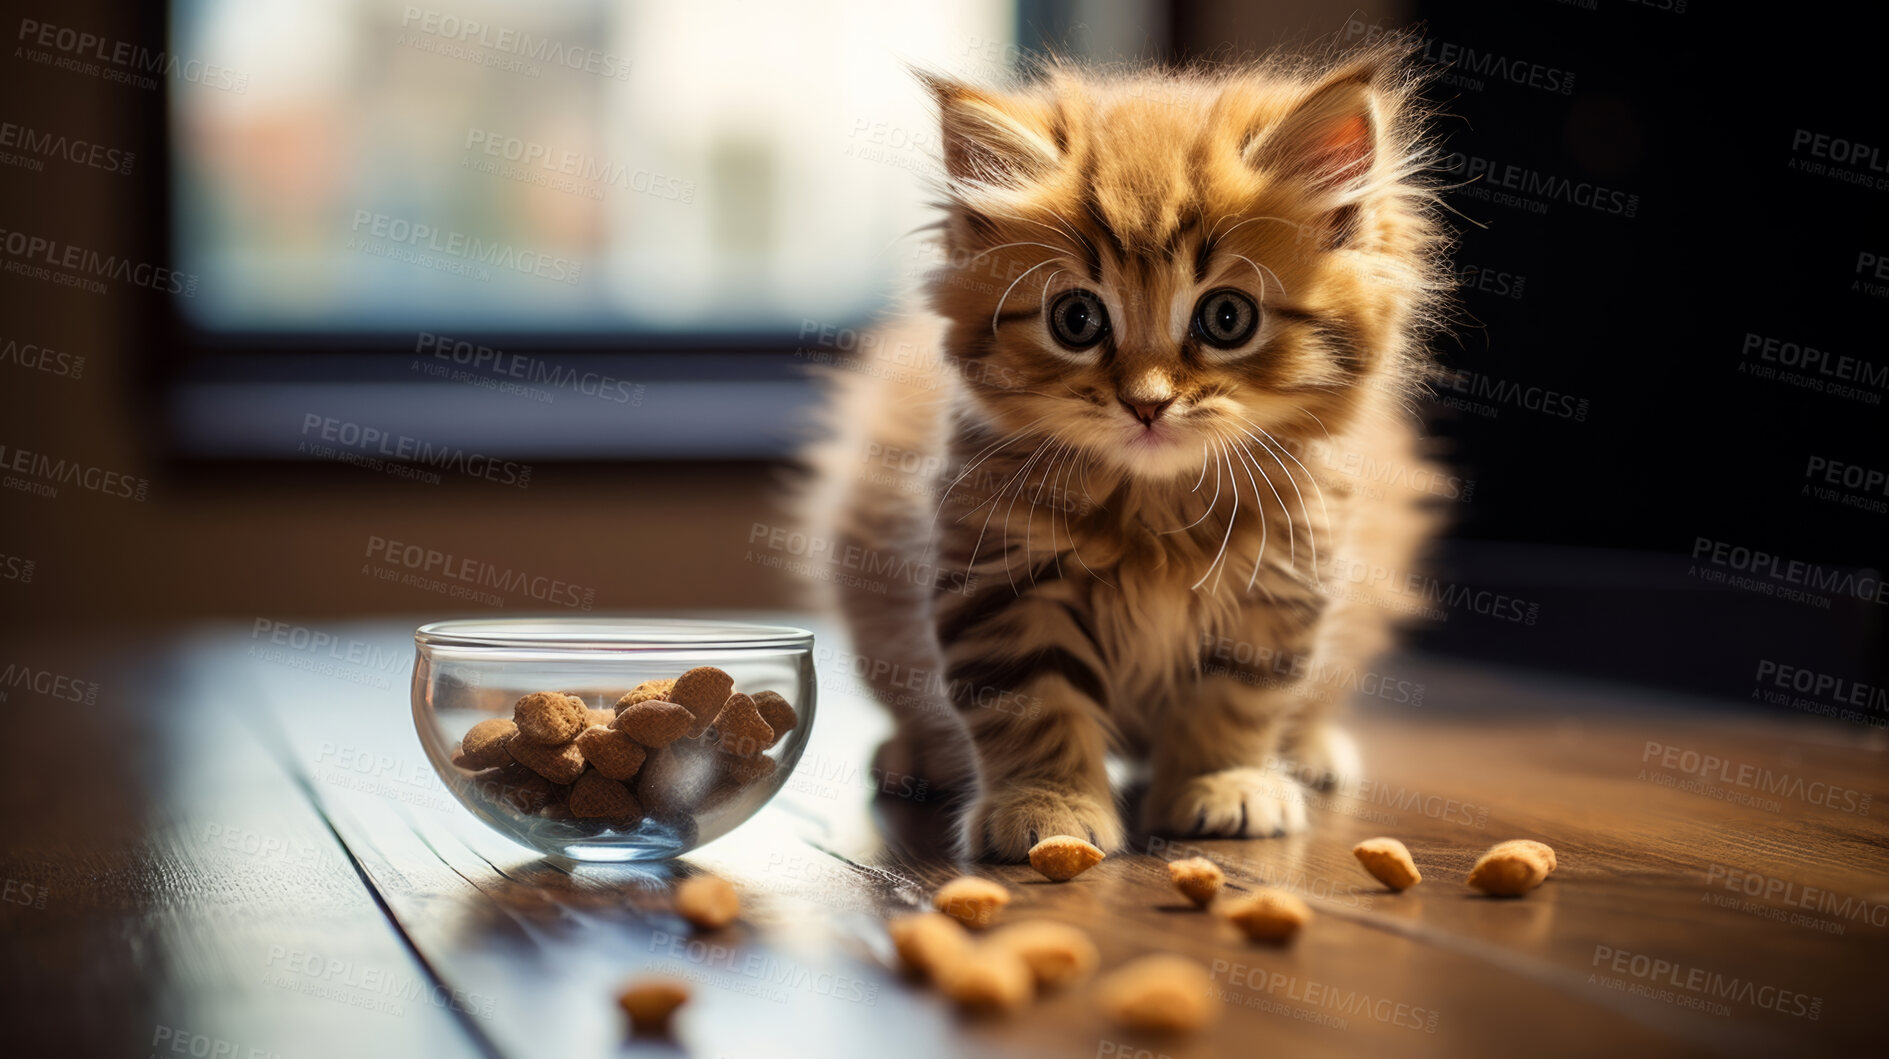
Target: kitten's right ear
pixel 993 140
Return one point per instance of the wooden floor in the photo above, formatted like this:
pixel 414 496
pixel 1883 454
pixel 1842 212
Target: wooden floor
pixel 230 852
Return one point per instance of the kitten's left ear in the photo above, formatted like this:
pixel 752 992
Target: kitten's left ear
pixel 1331 140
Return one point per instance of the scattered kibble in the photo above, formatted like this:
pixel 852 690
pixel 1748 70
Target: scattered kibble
pixel 651 1003
pixel 1198 878
pixel 1056 953
pixel 1063 857
pixel 1511 869
pixel 1267 915
pixel 987 979
pixel 1539 849
pixel 970 900
pixel 1388 861
pixel 1162 993
pixel 707 901
pixel 928 941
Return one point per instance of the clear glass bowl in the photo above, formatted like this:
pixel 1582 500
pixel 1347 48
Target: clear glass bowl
pixel 472 671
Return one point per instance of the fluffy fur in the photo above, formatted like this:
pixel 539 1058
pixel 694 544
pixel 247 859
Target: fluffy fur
pixel 1145 548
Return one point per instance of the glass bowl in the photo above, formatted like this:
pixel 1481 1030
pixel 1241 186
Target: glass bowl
pixel 684 793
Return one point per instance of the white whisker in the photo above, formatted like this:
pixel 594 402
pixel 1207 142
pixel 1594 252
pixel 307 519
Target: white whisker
pixel 1013 286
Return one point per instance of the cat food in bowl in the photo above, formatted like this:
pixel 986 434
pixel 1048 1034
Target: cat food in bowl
pixel 612 739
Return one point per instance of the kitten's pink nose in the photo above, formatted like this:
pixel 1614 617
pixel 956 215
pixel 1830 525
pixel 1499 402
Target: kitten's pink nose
pixel 1146 411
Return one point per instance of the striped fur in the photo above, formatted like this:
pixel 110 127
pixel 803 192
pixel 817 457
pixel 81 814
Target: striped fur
pixel 1162 593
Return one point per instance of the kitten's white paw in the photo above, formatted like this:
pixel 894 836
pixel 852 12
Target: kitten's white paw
pixel 1327 759
pixel 1233 803
pixel 1004 824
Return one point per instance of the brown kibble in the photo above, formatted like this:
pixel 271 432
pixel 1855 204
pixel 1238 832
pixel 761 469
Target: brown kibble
pixel 1388 861
pixel 1063 857
pixel 518 787
pixel 595 717
pixel 559 764
pixel 461 761
pixel 702 691
pixel 1162 993
pixel 654 723
pixel 707 901
pixel 596 796
pixel 970 900
pixel 611 752
pixel 1539 849
pixel 739 728
pixel 1197 878
pixel 1511 869
pixel 1057 954
pixel 645 692
pixel 776 712
pixel 484 744
pixel 987 979
pixel 1268 915
pixel 550 718
pixel 650 1002
pixel 927 942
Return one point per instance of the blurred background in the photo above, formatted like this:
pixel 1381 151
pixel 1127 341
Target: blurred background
pixel 293 289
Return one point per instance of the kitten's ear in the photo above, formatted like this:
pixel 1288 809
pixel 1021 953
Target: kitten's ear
pixel 1331 140
pixel 991 139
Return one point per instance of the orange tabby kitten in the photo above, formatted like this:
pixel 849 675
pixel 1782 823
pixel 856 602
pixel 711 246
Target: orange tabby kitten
pixel 1173 306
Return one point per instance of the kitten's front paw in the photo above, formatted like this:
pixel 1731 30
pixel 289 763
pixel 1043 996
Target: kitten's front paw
pixel 1327 759
pixel 1004 824
pixel 1231 803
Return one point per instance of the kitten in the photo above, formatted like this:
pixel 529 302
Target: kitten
pixel 1119 513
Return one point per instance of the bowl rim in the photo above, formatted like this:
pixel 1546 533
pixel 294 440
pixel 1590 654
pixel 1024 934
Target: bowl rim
pixel 604 634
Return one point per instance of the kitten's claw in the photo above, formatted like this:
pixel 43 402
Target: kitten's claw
pixel 1232 803
pixel 1003 825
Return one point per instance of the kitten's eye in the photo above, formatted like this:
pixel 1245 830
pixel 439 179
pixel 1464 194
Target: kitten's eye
pixel 1226 318
pixel 1078 320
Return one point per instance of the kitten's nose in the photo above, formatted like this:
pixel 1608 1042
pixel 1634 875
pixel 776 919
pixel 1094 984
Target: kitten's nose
pixel 1146 411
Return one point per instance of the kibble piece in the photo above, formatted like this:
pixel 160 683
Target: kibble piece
pixel 927 942
pixel 707 901
pixel 1160 994
pixel 1197 878
pixel 987 979
pixel 1056 953
pixel 646 691
pixel 1268 915
pixel 654 723
pixel 559 764
pixel 739 728
pixel 1388 861
pixel 971 901
pixel 1509 869
pixel 484 744
pixel 596 796
pixel 1063 857
pixel 776 712
pixel 523 789
pixel 611 752
pixel 1539 849
pixel 549 718
pixel 649 1002
pixel 702 691
pixel 594 717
